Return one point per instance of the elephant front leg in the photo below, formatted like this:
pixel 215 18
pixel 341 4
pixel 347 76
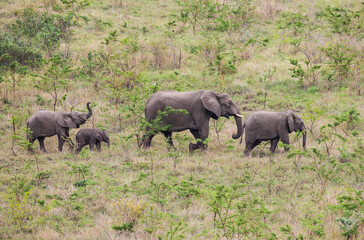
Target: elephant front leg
pixel 69 140
pixel 98 146
pixel 285 140
pixel 273 145
pixel 91 145
pixel 200 136
pixel 61 142
pixel 168 136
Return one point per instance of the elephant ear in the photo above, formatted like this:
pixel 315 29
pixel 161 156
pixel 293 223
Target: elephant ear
pixel 65 120
pixel 290 121
pixel 104 135
pixel 211 103
pixel 98 135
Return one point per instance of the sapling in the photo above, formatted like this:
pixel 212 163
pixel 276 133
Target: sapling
pixel 266 80
pixel 55 77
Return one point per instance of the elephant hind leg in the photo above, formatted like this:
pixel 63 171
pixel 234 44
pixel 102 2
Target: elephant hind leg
pixel 250 146
pixel 274 143
pixel 256 143
pixel 30 146
pixel 247 150
pixel 41 144
pixel 79 147
pixel 147 138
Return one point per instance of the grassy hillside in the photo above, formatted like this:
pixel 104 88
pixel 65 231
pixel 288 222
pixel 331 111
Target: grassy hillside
pixel 267 54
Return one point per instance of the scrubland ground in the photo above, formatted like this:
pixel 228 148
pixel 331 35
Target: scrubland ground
pixel 268 54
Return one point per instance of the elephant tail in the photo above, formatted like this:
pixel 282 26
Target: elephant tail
pixel 242 132
pixel 27 131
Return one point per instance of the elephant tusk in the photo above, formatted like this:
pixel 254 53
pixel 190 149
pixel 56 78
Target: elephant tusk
pixel 239 115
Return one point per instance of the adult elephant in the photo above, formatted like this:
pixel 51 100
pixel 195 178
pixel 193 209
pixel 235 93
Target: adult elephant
pixel 44 123
pixel 198 106
pixel 274 126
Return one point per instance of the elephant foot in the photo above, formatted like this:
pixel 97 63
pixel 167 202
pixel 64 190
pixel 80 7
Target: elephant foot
pixel 192 147
pixel 146 146
pixel 172 148
pixel 246 153
pixel 31 151
pixel 198 145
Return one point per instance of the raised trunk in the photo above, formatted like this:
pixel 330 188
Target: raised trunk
pixel 89 110
pixel 304 138
pixel 239 126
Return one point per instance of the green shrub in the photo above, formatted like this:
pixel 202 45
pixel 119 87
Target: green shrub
pixel 14 49
pixel 41 30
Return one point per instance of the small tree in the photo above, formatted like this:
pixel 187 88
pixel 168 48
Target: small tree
pixel 233 16
pixel 266 80
pixel 299 28
pixel 191 11
pixel 109 42
pixel 15 72
pixel 347 25
pixel 69 18
pixel 54 78
pixel 221 61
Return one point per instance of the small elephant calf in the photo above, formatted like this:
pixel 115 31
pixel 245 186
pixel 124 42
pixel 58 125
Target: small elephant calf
pixel 91 137
pixel 274 126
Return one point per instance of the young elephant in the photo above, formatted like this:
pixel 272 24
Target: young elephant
pixel 91 137
pixel 274 126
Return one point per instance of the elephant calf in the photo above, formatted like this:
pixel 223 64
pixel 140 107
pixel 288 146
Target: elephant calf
pixel 91 137
pixel 274 126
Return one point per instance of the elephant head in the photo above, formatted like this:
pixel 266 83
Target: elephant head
pixel 103 137
pixel 222 105
pixel 73 119
pixel 295 123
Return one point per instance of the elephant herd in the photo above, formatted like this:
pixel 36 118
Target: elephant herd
pixel 189 111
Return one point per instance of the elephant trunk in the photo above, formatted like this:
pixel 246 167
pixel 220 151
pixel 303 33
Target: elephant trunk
pixel 108 142
pixel 89 110
pixel 304 137
pixel 239 126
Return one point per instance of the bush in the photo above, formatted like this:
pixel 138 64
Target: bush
pixel 16 49
pixel 30 35
pixel 41 30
